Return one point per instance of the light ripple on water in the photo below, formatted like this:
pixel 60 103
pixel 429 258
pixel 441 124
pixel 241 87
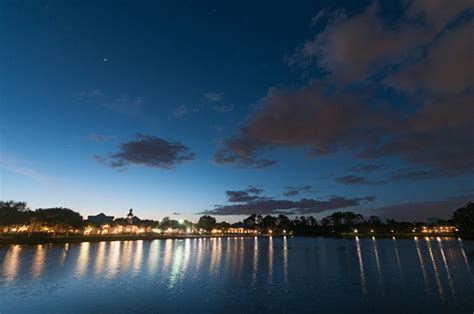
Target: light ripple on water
pixel 218 274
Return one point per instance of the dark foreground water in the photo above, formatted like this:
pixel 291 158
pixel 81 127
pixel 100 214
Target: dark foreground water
pixel 240 275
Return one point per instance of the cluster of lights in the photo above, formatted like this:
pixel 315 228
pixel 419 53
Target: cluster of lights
pixel 440 229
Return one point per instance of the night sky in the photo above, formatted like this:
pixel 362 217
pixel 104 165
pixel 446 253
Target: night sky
pixel 181 108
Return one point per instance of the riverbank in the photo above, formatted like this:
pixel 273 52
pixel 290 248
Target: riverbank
pixel 46 239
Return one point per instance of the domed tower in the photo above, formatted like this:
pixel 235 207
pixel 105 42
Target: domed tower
pixel 130 217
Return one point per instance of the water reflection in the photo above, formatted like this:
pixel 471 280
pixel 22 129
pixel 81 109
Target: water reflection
pixel 100 258
pixel 422 264
pixel 446 267
pixel 282 269
pixel 153 257
pixel 126 255
pixel 167 255
pixel 11 264
pixel 285 259
pixel 38 261
pixel 465 258
pixel 113 264
pixel 178 258
pixel 361 266
pixel 137 258
pixel 82 259
pixel 270 260
pixel 255 261
pixel 62 259
pixel 199 256
pixel 377 264
pixel 435 268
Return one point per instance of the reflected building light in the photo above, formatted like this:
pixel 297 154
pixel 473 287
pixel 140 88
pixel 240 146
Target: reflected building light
pixel 435 268
pixel 240 254
pixel 82 259
pixel 39 261
pixel 463 253
pixel 114 259
pixel 377 264
pixel 62 259
pixel 270 260
pixel 126 255
pixel 11 263
pixel 255 261
pixel 212 265
pixel 285 259
pixel 446 267
pixel 199 255
pixel 138 258
pixel 399 264
pixel 100 258
pixel 423 270
pixel 153 257
pixel 176 268
pixel 167 255
pixel 187 255
pixel 361 265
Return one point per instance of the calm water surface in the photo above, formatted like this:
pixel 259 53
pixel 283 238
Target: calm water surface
pixel 235 275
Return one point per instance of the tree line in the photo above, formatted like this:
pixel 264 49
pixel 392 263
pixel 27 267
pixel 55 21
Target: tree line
pixel 63 219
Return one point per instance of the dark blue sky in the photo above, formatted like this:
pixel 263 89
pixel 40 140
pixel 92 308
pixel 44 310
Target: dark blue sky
pixel 232 108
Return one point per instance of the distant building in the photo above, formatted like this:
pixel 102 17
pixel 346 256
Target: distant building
pixel 241 228
pixel 101 219
pixel 130 217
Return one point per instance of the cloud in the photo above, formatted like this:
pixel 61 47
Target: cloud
pixel 213 96
pixel 149 151
pixel 353 48
pixel 368 168
pixel 424 56
pixel 223 108
pixel 99 138
pixel 353 180
pixel 241 152
pixel 322 14
pixel 180 111
pixel 250 194
pixel 444 69
pixel 124 104
pixel 254 190
pixel 310 117
pixel 420 211
pixel 296 190
pixel 288 207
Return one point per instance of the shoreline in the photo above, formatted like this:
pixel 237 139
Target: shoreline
pixel 6 240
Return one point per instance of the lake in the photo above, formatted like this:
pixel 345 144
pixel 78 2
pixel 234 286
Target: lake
pixel 235 275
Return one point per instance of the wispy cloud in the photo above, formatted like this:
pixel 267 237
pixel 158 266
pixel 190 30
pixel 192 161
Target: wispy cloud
pixel 122 104
pixel 99 138
pixel 296 190
pixel 214 96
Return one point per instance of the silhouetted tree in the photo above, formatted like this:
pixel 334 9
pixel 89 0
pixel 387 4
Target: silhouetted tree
pixel 14 213
pixel 58 218
pixel 207 222
pixel 464 218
